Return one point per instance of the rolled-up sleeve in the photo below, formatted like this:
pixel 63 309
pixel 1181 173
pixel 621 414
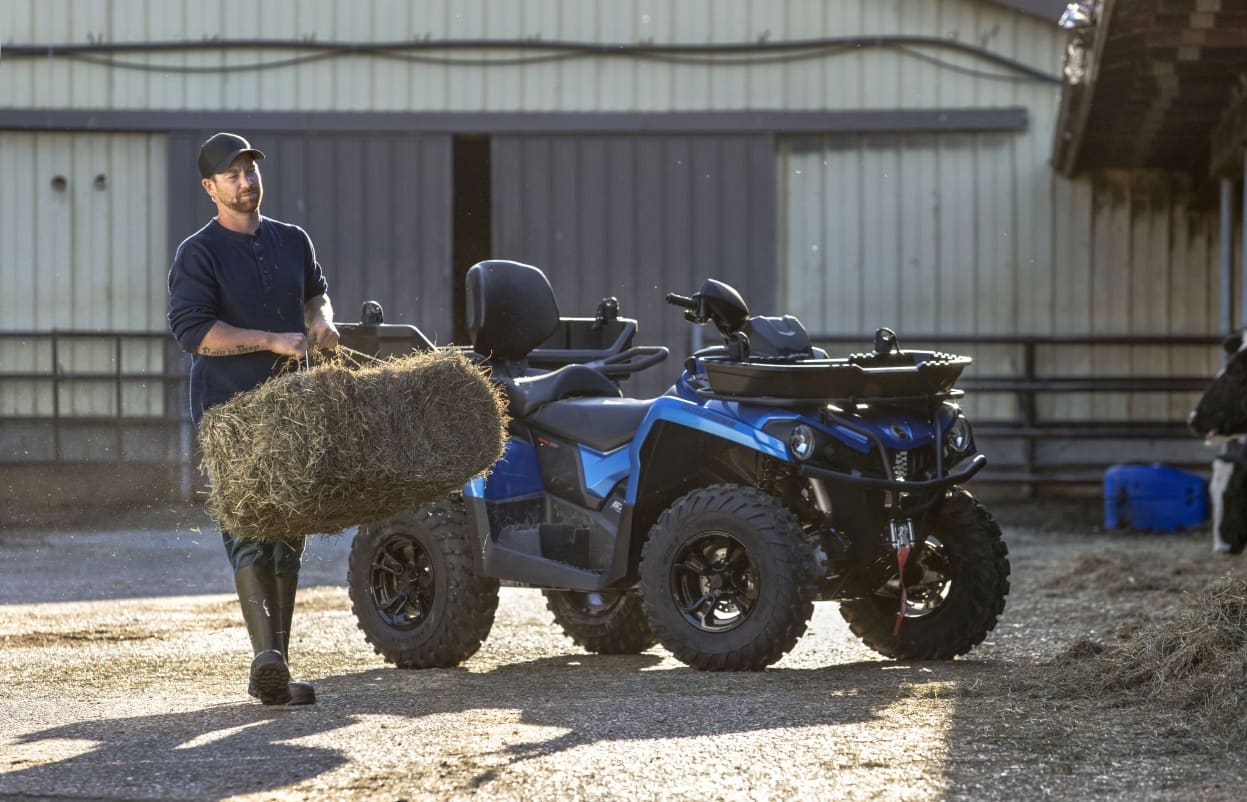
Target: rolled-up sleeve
pixel 192 296
pixel 314 282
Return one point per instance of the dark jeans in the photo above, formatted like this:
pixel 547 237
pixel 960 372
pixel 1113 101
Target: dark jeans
pixel 284 555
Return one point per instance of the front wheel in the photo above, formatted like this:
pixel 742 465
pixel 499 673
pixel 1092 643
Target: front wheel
pixel 726 579
pixel 955 584
pixel 414 591
pixel 604 622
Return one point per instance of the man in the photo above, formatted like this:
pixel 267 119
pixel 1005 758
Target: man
pixel 246 294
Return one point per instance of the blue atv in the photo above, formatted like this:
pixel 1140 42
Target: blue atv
pixel 708 519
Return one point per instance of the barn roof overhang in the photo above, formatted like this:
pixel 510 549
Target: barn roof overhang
pixel 1146 84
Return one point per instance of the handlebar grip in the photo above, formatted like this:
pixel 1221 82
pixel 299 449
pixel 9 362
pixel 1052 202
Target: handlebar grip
pixel 681 301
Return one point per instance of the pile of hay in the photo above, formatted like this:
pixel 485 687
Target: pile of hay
pixel 320 450
pixel 1196 664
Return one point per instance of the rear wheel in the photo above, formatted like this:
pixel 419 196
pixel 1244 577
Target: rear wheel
pixel 413 589
pixel 955 586
pixel 605 622
pixel 726 579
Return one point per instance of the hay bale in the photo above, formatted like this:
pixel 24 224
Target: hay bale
pixel 320 450
pixel 1196 663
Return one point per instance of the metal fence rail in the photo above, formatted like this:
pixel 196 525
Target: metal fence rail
pixel 1039 374
pixel 43 376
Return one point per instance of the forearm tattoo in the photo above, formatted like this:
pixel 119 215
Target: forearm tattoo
pixel 233 350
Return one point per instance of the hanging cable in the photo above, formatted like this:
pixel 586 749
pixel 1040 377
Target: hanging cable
pixel 536 51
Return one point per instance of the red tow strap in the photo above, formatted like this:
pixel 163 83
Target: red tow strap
pixel 902 554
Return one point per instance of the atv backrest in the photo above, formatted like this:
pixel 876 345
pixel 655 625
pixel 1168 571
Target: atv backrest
pixel 511 309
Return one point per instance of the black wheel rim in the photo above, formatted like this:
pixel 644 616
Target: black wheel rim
pixel 928 580
pixel 714 582
pixel 402 582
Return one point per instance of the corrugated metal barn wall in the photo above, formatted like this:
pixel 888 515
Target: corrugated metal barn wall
pixel 844 78
pixel 637 217
pixel 82 222
pixel 377 207
pixel 954 234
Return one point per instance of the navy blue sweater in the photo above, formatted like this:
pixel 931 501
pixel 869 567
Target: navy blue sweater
pixel 258 281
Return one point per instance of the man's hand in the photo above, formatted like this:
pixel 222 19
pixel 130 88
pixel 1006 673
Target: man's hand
pixel 318 318
pixel 322 333
pixel 291 344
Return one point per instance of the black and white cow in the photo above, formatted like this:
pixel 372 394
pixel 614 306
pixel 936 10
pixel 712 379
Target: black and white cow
pixel 1222 415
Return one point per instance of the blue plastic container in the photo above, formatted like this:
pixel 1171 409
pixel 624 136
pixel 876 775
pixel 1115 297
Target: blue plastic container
pixel 1154 497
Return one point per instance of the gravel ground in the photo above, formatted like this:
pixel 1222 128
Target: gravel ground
pixel 125 660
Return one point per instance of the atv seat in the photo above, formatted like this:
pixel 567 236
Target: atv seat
pixel 528 394
pixel 511 309
pixel 603 424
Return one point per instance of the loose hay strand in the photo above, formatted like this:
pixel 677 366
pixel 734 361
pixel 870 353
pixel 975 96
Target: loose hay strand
pixel 1197 663
pixel 320 450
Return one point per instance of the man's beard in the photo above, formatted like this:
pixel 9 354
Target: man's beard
pixel 244 203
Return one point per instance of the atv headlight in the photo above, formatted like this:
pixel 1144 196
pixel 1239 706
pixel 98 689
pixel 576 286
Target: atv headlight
pixel 958 438
pixel 802 442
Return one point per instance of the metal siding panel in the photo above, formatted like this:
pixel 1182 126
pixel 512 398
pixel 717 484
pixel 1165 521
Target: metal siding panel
pixel 623 236
pixel 70 259
pixel 1072 277
pixel 958 234
pixel 996 310
pixel 506 194
pixel 843 76
pixel 87 294
pixel 17 20
pixel 802 279
pixel 18 264
pixel 917 232
pixel 691 84
pixel 656 273
pixel 842 243
pixel 1111 258
pixel 434 280
pixel 54 225
pixel 466 86
pixel 349 192
pixel 594 195
pixel 316 82
pixel 762 183
pixel 863 77
pixel 619 78
pixel 267 19
pixel 353 77
pixel 18 252
pixel 191 208
pixel 674 187
pixel 1149 296
pixel 579 82
pixel 917 82
pixel 844 304
pixel 52 80
pixel 880 241
pixel 409 228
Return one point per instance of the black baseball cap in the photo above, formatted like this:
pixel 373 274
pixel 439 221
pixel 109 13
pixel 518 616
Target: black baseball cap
pixel 218 152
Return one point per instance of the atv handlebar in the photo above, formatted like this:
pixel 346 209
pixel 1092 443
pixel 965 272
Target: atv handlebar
pixel 631 361
pixel 682 301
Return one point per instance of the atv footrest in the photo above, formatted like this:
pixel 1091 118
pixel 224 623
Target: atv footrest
pixel 517 555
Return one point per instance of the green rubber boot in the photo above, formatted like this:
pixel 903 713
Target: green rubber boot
pixel 301 693
pixel 257 594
